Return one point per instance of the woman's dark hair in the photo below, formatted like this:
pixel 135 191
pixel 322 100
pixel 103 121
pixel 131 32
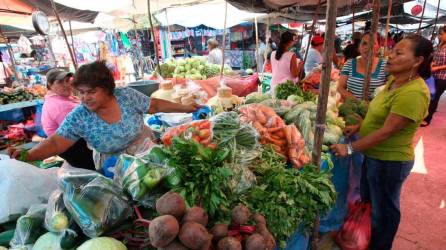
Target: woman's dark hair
pixel 377 36
pixel 1 56
pixel 285 39
pixel 442 29
pixel 422 47
pixel 95 75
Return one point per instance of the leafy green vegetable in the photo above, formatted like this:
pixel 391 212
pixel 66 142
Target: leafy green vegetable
pixel 204 178
pixel 284 90
pixel 352 108
pixel 289 197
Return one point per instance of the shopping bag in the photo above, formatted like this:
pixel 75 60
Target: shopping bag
pixel 356 232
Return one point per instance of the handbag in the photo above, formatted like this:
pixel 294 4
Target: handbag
pixel 8 78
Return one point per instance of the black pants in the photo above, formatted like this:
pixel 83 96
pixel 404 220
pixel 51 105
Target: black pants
pixel 79 155
pixel 440 87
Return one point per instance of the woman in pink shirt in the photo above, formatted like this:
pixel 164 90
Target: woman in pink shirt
pixel 284 63
pixel 59 102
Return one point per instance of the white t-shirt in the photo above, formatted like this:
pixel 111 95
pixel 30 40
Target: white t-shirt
pixel 314 59
pixel 215 56
pixel 3 73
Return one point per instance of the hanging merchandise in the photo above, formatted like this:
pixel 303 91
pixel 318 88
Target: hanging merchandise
pixel 125 40
pixel 24 45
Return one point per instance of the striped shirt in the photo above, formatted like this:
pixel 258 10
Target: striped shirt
pixel 355 80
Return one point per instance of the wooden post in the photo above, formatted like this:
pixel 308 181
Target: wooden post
pixel 330 29
pixel 422 17
pixel 370 45
pixel 436 21
pixel 311 34
pixel 224 42
pixel 155 45
pixel 72 55
pixel 389 12
pixel 259 67
pixel 72 38
pixel 353 18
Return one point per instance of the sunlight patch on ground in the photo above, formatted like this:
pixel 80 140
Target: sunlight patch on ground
pixel 442 204
pixel 419 166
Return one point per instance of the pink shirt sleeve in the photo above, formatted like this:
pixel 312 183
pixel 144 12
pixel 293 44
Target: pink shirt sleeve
pixel 54 110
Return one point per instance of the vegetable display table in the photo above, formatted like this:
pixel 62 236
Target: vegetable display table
pixel 20 105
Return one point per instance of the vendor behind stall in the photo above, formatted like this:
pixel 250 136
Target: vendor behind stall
pixel 215 54
pixel 59 102
pixel 314 57
pixel 109 119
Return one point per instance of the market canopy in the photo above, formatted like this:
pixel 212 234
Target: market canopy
pixel 210 14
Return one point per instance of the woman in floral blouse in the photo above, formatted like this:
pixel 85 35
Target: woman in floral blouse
pixel 109 119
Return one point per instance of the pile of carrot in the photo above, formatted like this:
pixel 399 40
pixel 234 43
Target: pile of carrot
pixel 285 139
pixel 199 131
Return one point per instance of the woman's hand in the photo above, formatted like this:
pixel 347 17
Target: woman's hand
pixel 340 150
pixel 191 108
pixel 14 153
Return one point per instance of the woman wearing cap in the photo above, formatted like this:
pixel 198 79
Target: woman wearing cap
pixel 109 119
pixel 215 54
pixel 59 102
pixel 314 57
pixel 351 81
pixel 284 63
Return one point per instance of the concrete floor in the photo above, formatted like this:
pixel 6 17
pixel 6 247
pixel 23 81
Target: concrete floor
pixel 423 198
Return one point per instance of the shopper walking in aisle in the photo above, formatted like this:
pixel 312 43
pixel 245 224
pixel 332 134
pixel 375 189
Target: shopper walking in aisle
pixel 351 82
pixel 314 57
pixel 284 64
pixel 109 119
pixel 215 54
pixel 439 74
pixel 59 102
pixel 387 132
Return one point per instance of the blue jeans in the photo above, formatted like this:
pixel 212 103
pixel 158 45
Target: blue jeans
pixel 381 185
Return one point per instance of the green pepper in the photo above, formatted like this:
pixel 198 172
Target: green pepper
pixel 153 178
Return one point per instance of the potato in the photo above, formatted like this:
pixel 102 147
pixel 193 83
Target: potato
pixel 219 231
pixel 240 215
pixel 194 235
pixel 163 230
pixel 207 245
pixel 171 203
pixel 255 242
pixel 196 214
pixel 259 219
pixel 229 243
pixel 174 245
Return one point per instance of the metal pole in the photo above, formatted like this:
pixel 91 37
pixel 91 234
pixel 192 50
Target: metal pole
pixel 330 29
pixel 153 36
pixel 389 12
pixel 50 48
pixel 73 58
pixel 169 42
pixel 259 67
pixel 311 34
pixel 422 16
pixel 370 45
pixel 436 20
pixel 224 42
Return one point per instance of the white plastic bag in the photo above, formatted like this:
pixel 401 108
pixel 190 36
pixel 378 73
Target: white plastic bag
pixel 22 185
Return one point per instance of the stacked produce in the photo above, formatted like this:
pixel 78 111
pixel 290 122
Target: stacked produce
pixel 353 111
pixel 224 100
pixel 196 68
pixel 285 90
pixel 285 139
pixel 199 131
pixel 165 91
pixel 179 228
pixel 8 96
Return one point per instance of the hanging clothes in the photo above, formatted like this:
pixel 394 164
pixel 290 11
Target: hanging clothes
pixel 125 40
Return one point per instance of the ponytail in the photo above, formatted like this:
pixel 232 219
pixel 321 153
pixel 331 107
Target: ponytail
pixel 285 39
